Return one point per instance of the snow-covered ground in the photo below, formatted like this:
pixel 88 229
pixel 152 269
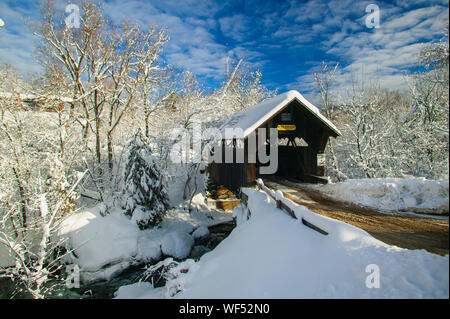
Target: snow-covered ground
pixel 393 194
pixel 105 246
pixel 272 255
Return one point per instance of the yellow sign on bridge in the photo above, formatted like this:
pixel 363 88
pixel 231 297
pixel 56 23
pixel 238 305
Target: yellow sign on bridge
pixel 286 127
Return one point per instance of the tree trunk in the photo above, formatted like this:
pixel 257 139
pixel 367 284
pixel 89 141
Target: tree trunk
pixel 110 151
pixel 97 140
pixel 147 128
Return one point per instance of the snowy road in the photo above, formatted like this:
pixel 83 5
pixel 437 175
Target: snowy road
pixel 403 231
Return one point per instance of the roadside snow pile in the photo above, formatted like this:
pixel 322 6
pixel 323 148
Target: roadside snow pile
pixel 393 194
pixel 275 256
pixel 105 246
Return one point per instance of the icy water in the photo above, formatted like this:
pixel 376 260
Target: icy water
pixel 106 289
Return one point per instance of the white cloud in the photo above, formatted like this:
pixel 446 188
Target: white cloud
pixel 411 18
pixel 385 54
pixel 335 30
pixel 17 43
pixel 237 27
pixel 192 45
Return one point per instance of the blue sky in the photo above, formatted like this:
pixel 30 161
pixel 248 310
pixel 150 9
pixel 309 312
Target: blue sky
pixel 286 40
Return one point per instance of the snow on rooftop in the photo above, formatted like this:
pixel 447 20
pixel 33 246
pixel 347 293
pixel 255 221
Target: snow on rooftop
pixel 250 119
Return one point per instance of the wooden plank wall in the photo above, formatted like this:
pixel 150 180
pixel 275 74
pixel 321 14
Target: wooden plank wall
pixel 231 175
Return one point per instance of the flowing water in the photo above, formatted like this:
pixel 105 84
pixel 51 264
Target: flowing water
pixel 106 289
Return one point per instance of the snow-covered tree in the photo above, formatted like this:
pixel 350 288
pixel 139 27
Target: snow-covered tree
pixel 429 115
pixel 144 195
pixel 372 140
pixel 324 80
pixel 107 68
pixel 242 87
pixel 388 133
pixel 37 191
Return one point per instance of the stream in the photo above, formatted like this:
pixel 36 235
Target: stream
pixel 106 289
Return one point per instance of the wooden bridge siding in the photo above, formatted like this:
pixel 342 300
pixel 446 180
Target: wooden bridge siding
pixel 231 175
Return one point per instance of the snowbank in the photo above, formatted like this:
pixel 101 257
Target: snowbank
pixel 100 240
pixel 105 246
pixel 393 194
pixel 273 255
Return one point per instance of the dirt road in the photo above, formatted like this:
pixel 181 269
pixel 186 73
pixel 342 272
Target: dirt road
pixel 403 231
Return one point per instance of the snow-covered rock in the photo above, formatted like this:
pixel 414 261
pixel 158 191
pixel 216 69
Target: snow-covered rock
pixel 99 241
pixel 201 231
pixel 177 244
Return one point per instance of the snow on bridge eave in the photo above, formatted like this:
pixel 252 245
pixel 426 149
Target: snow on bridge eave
pixel 253 117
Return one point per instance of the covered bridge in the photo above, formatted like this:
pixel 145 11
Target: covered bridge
pixel 303 133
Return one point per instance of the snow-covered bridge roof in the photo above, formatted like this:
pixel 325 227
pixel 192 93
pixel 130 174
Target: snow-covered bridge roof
pixel 253 117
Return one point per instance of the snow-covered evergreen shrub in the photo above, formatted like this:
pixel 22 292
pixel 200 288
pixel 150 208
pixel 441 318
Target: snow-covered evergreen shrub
pixel 145 198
